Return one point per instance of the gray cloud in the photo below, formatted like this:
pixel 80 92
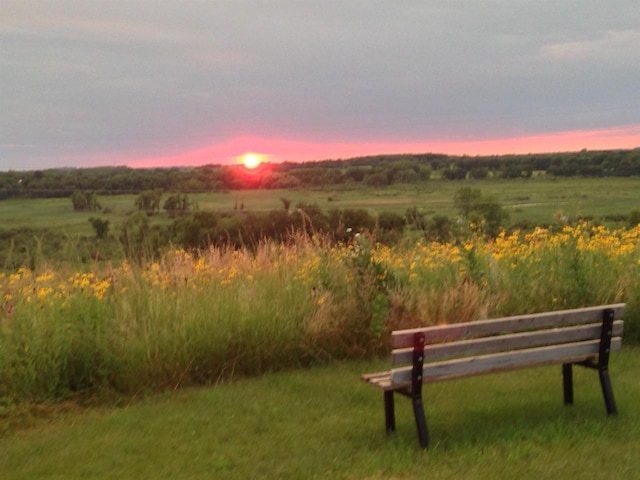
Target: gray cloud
pixel 81 80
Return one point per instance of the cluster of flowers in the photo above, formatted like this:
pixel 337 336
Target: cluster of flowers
pixel 313 264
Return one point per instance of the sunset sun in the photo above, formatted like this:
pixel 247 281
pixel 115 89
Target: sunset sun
pixel 251 160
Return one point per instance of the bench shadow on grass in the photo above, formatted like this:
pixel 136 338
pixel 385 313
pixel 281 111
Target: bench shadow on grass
pixel 496 412
pixel 540 422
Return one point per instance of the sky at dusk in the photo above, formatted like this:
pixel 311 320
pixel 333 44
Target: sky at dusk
pixel 162 83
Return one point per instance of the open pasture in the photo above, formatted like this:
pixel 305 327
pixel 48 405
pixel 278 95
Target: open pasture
pixel 125 331
pixel 537 201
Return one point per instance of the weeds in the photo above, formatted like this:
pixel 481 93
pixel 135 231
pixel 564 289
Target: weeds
pixel 197 319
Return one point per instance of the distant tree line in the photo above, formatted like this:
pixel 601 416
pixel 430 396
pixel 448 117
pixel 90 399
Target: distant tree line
pixel 374 171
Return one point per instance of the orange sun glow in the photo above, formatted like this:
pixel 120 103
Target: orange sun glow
pixel 251 160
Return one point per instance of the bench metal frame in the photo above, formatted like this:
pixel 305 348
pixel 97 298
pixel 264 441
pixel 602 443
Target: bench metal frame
pixel 583 337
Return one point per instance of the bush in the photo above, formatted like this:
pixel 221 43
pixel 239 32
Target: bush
pixel 440 229
pixel 482 210
pixel 85 200
pixel 196 230
pixel 350 220
pixel 634 218
pixel 176 205
pixel 391 221
pixel 376 179
pixel 100 226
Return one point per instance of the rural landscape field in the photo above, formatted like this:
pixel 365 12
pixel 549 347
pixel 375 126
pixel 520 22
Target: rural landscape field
pixel 240 284
pixel 219 219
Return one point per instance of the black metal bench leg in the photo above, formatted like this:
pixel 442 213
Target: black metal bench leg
pixel 603 360
pixel 421 423
pixel 607 391
pixel 567 383
pixel 389 412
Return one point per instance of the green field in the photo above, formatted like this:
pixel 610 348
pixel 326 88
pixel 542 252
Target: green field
pixel 86 349
pixel 539 200
pixel 324 423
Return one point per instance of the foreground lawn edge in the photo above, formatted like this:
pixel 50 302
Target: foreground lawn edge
pixel 324 423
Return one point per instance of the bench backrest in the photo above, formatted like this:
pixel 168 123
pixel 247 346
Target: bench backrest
pixel 486 346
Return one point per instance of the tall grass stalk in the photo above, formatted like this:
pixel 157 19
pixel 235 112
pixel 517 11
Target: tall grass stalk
pixel 206 317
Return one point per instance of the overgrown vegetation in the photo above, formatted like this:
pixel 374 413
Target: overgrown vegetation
pixel 197 318
pixel 121 230
pixel 174 219
pixel 156 299
pixel 137 239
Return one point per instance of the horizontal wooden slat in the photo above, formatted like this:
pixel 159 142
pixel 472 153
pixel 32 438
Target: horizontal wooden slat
pixel 372 377
pixel 519 323
pixel 509 342
pixel 499 362
pixel 381 380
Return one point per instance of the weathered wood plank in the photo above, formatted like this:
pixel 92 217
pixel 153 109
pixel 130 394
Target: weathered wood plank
pixel 505 361
pixel 381 380
pixel 519 323
pixel 373 377
pixel 508 342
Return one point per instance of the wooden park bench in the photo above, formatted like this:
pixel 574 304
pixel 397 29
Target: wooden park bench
pixel 582 336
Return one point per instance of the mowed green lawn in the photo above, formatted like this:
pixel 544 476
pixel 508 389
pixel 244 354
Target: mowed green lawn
pixel 325 423
pixel 539 200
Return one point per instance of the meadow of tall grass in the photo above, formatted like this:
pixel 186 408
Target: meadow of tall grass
pixel 205 317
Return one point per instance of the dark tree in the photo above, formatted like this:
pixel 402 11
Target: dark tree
pixel 100 226
pixel 83 201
